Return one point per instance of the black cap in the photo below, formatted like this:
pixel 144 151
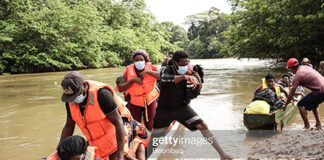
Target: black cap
pixel 71 85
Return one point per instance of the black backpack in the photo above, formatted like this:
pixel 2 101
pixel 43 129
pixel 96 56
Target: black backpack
pixel 270 97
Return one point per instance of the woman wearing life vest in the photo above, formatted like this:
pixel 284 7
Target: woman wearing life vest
pixel 269 82
pixel 139 82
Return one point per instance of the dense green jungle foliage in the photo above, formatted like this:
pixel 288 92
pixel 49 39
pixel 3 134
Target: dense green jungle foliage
pixel 55 35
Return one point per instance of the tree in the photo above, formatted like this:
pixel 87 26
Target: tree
pixel 54 35
pixel 178 33
pixel 205 34
pixel 277 29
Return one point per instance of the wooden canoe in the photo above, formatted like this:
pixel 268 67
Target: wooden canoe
pixel 276 120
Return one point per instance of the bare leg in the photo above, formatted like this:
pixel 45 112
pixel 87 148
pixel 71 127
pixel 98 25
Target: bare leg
pixel 303 114
pixel 318 122
pixel 153 143
pixel 140 152
pixel 202 127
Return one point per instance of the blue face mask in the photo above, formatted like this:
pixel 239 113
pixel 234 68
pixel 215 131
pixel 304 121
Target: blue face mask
pixel 139 65
pixel 182 69
pixel 79 99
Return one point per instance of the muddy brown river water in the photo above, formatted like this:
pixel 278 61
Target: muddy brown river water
pixel 32 115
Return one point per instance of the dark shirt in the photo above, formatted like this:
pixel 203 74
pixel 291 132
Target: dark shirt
pixel 171 94
pixel 106 102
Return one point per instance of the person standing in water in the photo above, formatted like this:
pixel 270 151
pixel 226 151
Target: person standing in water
pixel 306 62
pixel 307 77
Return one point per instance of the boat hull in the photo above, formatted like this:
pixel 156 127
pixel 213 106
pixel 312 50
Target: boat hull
pixel 276 120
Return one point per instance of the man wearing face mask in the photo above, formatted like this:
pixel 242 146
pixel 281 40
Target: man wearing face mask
pixel 139 82
pixel 95 108
pixel 172 103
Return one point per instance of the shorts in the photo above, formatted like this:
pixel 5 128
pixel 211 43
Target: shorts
pixel 311 101
pixel 183 114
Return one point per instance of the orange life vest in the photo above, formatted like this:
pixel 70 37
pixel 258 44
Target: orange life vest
pixel 145 93
pixel 131 147
pixel 94 124
pixel 124 112
pixel 134 144
pixel 90 151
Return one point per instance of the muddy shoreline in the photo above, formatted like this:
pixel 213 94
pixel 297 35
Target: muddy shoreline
pixel 292 144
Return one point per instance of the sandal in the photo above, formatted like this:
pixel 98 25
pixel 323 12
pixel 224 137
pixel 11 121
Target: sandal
pixel 305 128
pixel 318 128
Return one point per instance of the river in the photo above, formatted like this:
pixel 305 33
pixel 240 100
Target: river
pixel 32 115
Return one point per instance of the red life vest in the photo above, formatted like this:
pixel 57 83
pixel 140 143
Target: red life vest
pixel 94 124
pixel 145 93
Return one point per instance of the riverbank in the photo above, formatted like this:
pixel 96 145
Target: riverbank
pixel 293 144
pixel 289 144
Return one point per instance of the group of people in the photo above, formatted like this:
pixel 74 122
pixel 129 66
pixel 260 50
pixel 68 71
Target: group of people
pixel 298 76
pixel 115 131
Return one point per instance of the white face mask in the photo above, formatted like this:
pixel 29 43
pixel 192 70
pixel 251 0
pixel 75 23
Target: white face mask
pixel 79 99
pixel 182 69
pixel 139 65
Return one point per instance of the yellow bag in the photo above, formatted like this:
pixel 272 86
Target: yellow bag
pixel 258 107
